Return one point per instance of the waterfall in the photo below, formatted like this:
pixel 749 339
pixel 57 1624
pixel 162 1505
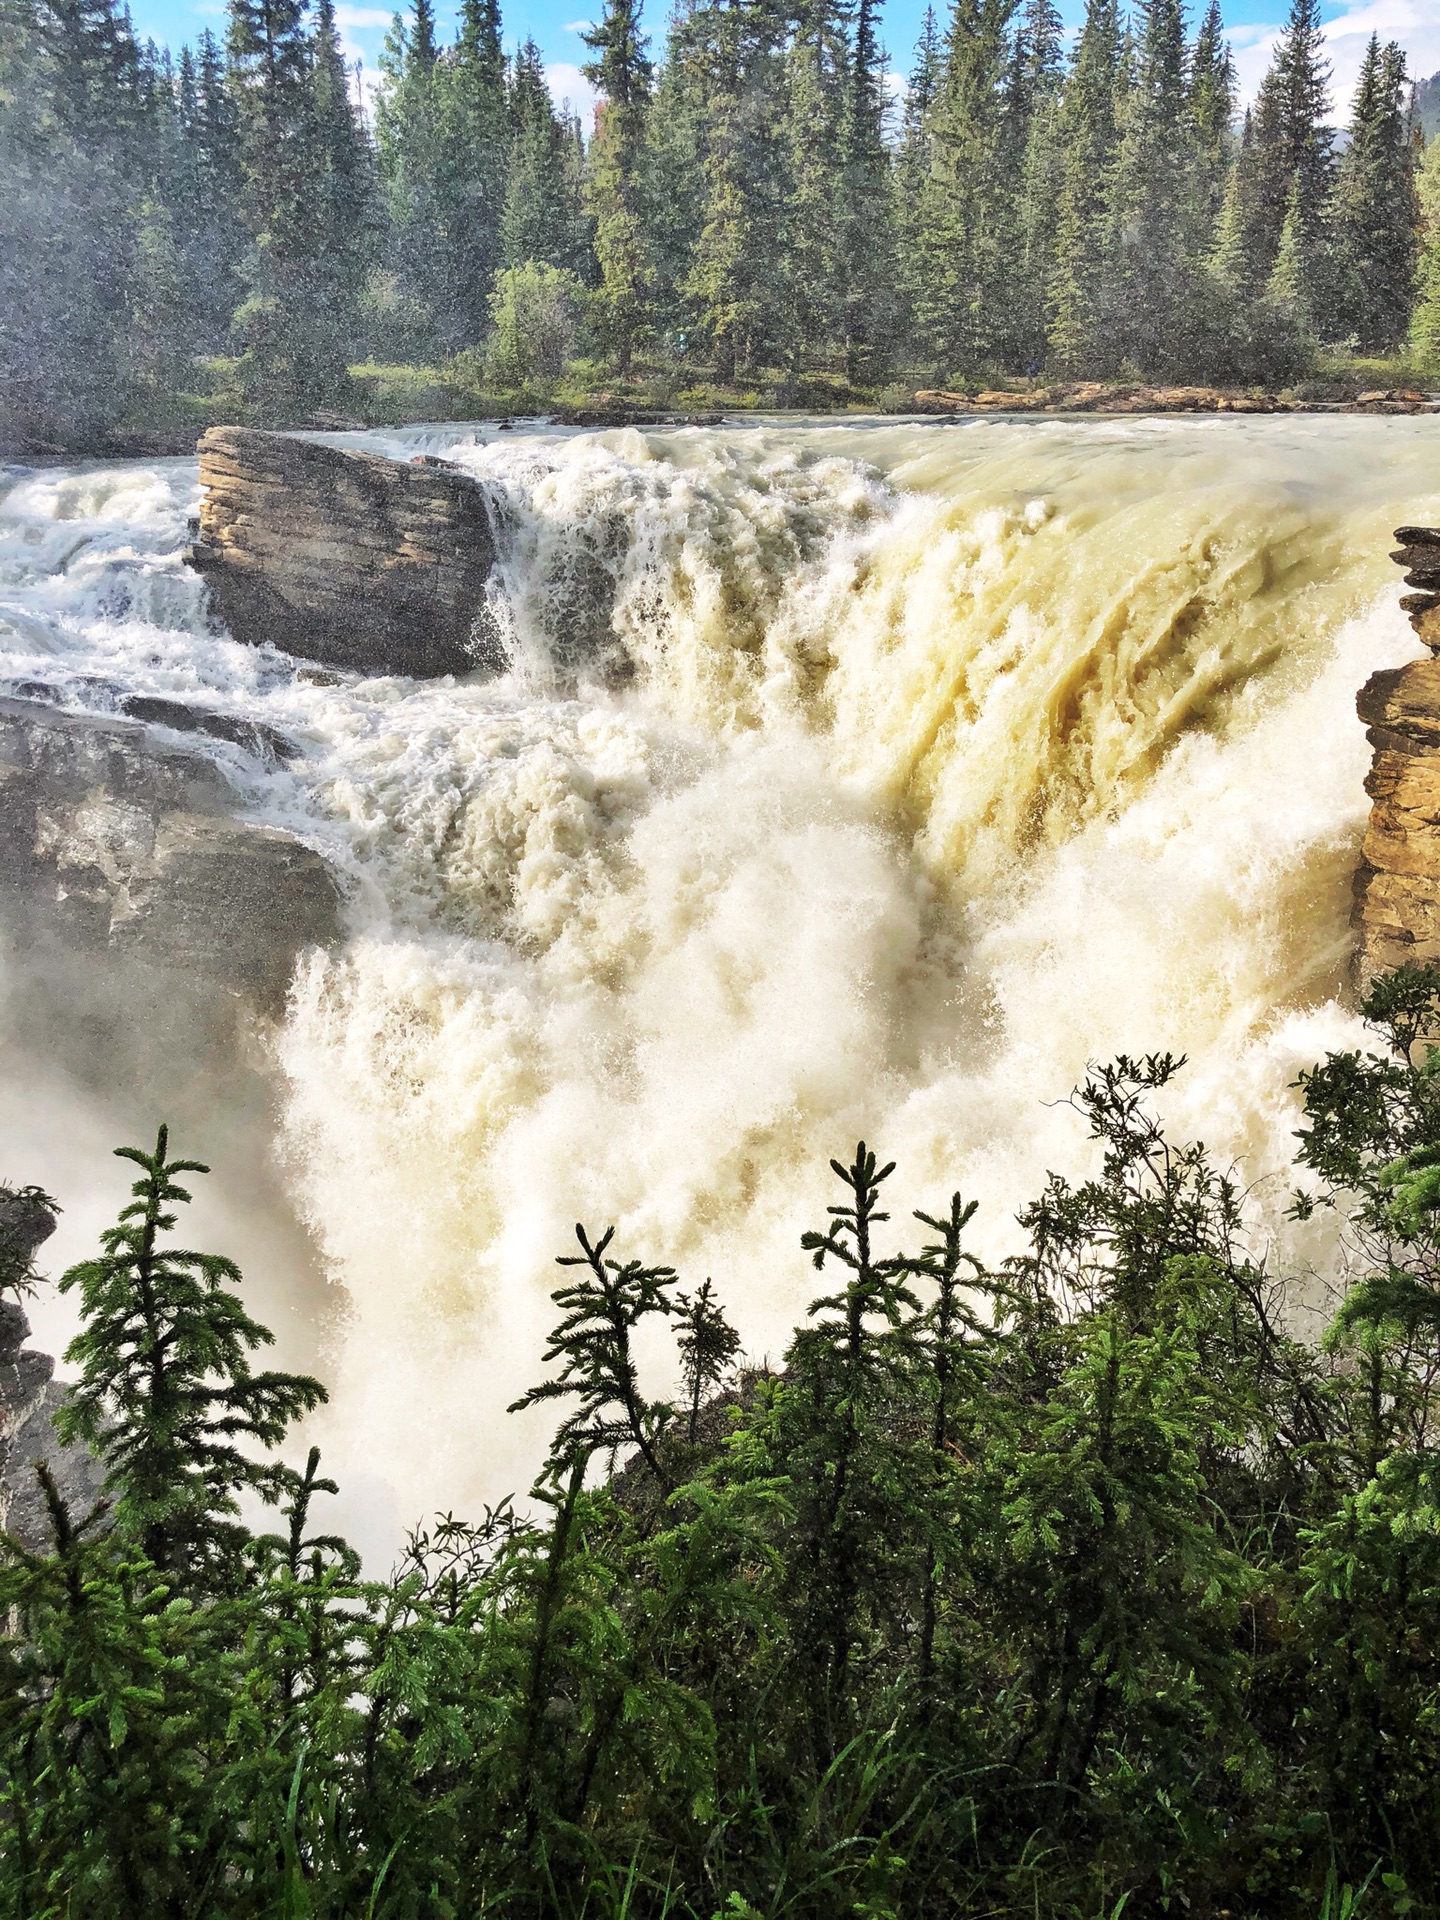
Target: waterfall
pixel 863 779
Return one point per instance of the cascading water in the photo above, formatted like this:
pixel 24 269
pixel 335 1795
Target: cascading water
pixel 865 779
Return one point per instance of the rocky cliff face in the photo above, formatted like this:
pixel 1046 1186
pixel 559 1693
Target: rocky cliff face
pixel 28 1394
pixel 112 841
pixel 1397 887
pixel 345 557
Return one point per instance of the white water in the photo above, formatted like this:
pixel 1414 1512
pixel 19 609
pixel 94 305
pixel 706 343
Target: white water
pixel 865 779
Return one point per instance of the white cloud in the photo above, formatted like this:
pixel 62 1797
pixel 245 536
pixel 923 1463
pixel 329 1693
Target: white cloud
pixel 567 82
pixel 1414 23
pixel 351 17
pixel 578 26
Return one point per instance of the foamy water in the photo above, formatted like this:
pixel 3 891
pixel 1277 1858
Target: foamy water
pixel 865 779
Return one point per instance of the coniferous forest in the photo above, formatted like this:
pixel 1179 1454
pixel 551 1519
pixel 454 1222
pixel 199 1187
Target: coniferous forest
pixel 227 232
pixel 1081 1586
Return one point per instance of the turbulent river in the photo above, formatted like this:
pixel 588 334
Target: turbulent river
pixel 865 779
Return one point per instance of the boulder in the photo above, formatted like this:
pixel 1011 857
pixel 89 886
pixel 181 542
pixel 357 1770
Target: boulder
pixel 111 840
pixel 345 557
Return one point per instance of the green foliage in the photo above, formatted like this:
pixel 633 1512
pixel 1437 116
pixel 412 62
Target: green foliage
pixel 535 317
pixel 166 1395
pixel 1081 1586
pixel 739 219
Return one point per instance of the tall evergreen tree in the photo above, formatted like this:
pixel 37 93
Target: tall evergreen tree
pixel 474 154
pixel 1080 337
pixel 1291 162
pixel 407 135
pixel 1374 213
pixel 623 76
pixel 1425 326
pixel 1212 110
pixel 1155 251
pixel 866 231
pixel 543 219
pixel 293 354
pixel 737 268
pixel 966 200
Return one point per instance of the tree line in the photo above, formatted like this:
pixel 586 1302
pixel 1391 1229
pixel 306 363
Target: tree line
pixel 750 205
pixel 1074 1587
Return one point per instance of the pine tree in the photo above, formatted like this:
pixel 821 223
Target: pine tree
pixel 407 135
pixel 293 357
pixel 474 150
pixel 1291 163
pixel 1081 340
pixel 809 279
pixel 707 1343
pixel 623 76
pixel 967 199
pixel 1034 162
pixel 1425 326
pixel 914 161
pixel 542 220
pixel 344 215
pixel 738 272
pixel 602 1309
pixel 866 213
pixel 673 189
pixel 1212 110
pixel 1154 247
pixel 166 1395
pixel 1374 214
pixel 206 193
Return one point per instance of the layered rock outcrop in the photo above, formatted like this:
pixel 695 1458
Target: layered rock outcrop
pixel 1397 886
pixel 112 840
pixel 345 557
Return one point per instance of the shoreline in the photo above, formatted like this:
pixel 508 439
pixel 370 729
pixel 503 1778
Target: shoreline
pixel 1079 401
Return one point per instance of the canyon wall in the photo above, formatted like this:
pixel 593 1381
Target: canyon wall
pixel 1397 886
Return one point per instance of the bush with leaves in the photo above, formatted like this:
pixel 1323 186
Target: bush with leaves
pixel 1077 1587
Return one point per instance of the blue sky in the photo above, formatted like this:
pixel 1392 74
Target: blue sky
pixel 557 24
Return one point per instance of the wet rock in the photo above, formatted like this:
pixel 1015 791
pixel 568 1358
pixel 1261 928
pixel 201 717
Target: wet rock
pixel 28 1393
pixel 110 840
pixel 266 743
pixel 345 557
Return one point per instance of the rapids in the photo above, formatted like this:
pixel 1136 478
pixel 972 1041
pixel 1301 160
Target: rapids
pixel 847 779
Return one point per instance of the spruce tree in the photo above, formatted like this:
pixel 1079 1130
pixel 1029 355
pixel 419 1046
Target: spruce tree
pixel 866 244
pixel 623 75
pixel 810 276
pixel 1154 247
pixel 407 136
pixel 1374 214
pixel 345 213
pixel 1212 111
pixel 1080 338
pixel 1425 325
pixel 1034 162
pixel 166 1395
pixel 737 279
pixel 1291 163
pixel 293 359
pixel 967 199
pixel 542 219
pixel 474 154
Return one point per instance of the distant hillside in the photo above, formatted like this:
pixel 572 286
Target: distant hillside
pixel 1427 105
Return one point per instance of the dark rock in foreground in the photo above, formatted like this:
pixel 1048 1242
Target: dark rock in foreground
pixel 28 1394
pixel 111 841
pixel 373 564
